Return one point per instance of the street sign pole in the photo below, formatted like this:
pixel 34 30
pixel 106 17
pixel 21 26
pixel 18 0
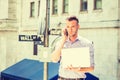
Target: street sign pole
pixel 46 36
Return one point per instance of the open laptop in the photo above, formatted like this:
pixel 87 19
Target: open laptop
pixel 77 57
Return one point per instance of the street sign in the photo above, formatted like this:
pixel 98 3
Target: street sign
pixel 29 38
pixel 32 38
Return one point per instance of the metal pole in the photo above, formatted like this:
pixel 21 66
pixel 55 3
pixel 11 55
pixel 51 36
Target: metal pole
pixel 46 36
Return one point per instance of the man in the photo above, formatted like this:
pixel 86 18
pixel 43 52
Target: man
pixel 71 39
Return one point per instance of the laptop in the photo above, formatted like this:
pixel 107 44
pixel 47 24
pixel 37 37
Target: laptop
pixel 77 57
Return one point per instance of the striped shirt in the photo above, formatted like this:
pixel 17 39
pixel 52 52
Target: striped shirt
pixel 79 42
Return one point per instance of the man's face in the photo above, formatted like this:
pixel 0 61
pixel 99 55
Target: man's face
pixel 72 27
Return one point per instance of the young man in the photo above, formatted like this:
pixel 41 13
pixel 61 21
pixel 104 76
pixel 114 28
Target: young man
pixel 71 39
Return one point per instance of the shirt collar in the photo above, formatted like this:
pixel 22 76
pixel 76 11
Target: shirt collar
pixel 77 38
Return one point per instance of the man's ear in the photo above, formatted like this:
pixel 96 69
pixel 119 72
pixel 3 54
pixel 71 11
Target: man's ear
pixel 78 26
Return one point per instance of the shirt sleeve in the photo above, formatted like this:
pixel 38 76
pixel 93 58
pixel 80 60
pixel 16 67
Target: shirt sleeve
pixel 92 54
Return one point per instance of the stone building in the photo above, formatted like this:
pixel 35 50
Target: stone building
pixel 99 21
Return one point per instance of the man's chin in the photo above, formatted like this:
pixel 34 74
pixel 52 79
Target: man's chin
pixel 72 35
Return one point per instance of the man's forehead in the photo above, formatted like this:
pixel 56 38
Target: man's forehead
pixel 73 22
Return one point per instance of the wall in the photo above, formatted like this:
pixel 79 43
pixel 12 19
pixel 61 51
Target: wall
pixel 12 50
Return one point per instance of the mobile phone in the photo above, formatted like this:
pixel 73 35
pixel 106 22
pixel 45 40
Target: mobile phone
pixel 66 33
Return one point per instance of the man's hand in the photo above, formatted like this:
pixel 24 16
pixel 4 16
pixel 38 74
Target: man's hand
pixel 64 36
pixel 76 69
pixel 80 69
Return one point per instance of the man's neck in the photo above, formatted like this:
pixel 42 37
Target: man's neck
pixel 73 38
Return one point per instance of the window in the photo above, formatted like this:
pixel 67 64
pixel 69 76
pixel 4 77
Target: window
pixel 38 8
pixel 97 4
pixel 65 6
pixel 32 9
pixel 55 7
pixel 83 6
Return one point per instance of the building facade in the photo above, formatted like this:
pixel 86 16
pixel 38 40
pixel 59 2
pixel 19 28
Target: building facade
pixel 99 21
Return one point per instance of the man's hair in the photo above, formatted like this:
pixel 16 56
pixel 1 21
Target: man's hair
pixel 72 18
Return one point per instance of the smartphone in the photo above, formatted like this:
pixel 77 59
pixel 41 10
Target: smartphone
pixel 66 32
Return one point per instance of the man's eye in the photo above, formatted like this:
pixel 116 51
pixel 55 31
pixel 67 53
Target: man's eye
pixel 67 26
pixel 73 26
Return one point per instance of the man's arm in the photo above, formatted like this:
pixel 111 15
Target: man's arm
pixel 55 56
pixel 88 69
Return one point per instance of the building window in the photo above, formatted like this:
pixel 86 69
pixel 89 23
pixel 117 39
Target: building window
pixel 83 6
pixel 97 4
pixel 55 7
pixel 32 9
pixel 38 7
pixel 65 6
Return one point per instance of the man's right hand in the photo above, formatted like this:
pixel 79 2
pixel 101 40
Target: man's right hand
pixel 64 35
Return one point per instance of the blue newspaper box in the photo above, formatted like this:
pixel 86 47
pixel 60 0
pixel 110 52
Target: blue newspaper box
pixel 29 70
